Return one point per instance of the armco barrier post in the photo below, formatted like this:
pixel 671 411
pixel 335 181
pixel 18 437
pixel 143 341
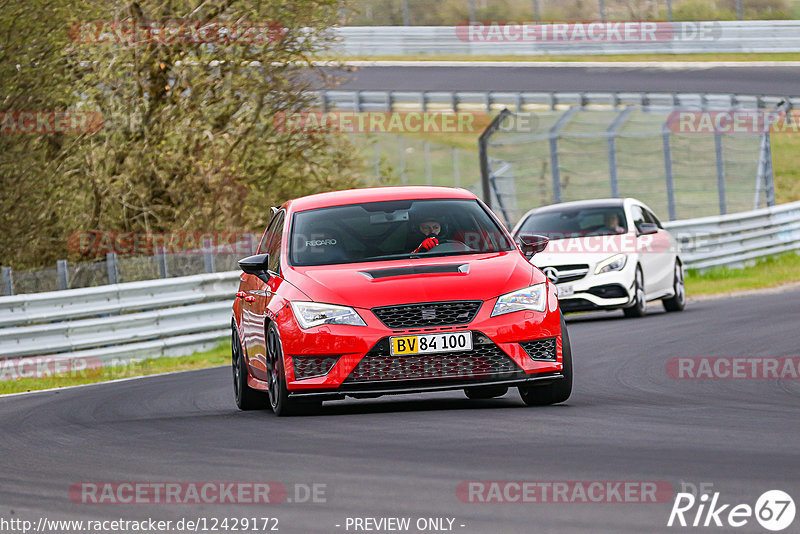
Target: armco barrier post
pixel 208 256
pixel 8 281
pixel 62 275
pixel 112 268
pixel 161 259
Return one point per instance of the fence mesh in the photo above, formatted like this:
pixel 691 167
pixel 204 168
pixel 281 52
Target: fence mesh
pixel 625 153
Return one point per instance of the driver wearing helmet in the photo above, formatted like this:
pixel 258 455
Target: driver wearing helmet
pixel 429 229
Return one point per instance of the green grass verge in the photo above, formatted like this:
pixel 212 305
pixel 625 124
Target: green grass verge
pixel 220 355
pixel 769 272
pixel 578 58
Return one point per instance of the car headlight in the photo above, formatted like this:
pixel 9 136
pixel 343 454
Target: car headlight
pixel 614 263
pixel 531 298
pixel 310 314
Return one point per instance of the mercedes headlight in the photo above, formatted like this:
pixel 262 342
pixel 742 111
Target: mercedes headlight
pixel 614 263
pixel 310 314
pixel 531 298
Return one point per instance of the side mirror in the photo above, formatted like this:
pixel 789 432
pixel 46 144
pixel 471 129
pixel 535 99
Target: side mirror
pixel 256 265
pixel 647 228
pixel 532 244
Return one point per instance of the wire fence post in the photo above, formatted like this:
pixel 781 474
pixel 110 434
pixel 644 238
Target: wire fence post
pixel 378 175
pixel 764 178
pixel 456 171
pixel 401 141
pixel 112 268
pixel 553 133
pixel 612 130
pixel 769 181
pixel 668 173
pixel 8 281
pixel 426 145
pixel 62 275
pixel 483 154
pixel 537 14
pixel 720 173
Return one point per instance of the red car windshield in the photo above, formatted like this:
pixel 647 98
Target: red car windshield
pixel 382 231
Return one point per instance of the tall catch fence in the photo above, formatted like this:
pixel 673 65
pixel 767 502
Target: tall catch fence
pixel 581 153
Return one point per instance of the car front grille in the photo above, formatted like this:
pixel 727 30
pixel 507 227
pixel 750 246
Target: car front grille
pixel 541 349
pixel 568 273
pixel 311 366
pixel 485 361
pixel 428 314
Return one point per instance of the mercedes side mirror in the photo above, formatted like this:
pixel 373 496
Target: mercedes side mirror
pixel 647 228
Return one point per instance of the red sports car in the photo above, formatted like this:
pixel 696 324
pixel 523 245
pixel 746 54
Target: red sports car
pixel 390 290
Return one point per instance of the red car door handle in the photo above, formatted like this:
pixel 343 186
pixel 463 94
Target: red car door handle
pixel 240 294
pixel 249 299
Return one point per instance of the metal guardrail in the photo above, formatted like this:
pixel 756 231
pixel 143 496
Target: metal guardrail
pixel 754 36
pixel 735 239
pixel 105 323
pixel 180 315
pixel 527 100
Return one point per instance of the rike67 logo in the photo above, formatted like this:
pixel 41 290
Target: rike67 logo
pixel 774 510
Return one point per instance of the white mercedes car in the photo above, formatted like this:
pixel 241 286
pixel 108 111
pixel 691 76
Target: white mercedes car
pixel 606 254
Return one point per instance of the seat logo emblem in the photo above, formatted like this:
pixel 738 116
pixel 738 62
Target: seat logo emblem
pixel 428 314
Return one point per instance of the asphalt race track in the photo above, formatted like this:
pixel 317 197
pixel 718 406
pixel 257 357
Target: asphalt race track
pixel 405 456
pixel 780 81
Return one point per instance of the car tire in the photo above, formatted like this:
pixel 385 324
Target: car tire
pixel 639 307
pixel 246 397
pixel 678 301
pixel 485 392
pixel 279 399
pixel 558 390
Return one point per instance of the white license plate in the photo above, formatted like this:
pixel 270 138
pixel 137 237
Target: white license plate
pixel 430 343
pixel 565 290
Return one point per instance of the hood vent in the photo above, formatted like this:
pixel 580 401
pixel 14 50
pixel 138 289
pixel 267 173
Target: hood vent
pixel 417 269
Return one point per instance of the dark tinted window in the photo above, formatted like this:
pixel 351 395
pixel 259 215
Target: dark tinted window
pixel 274 242
pixel 638 216
pixel 381 231
pixel 650 217
pixel 576 222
